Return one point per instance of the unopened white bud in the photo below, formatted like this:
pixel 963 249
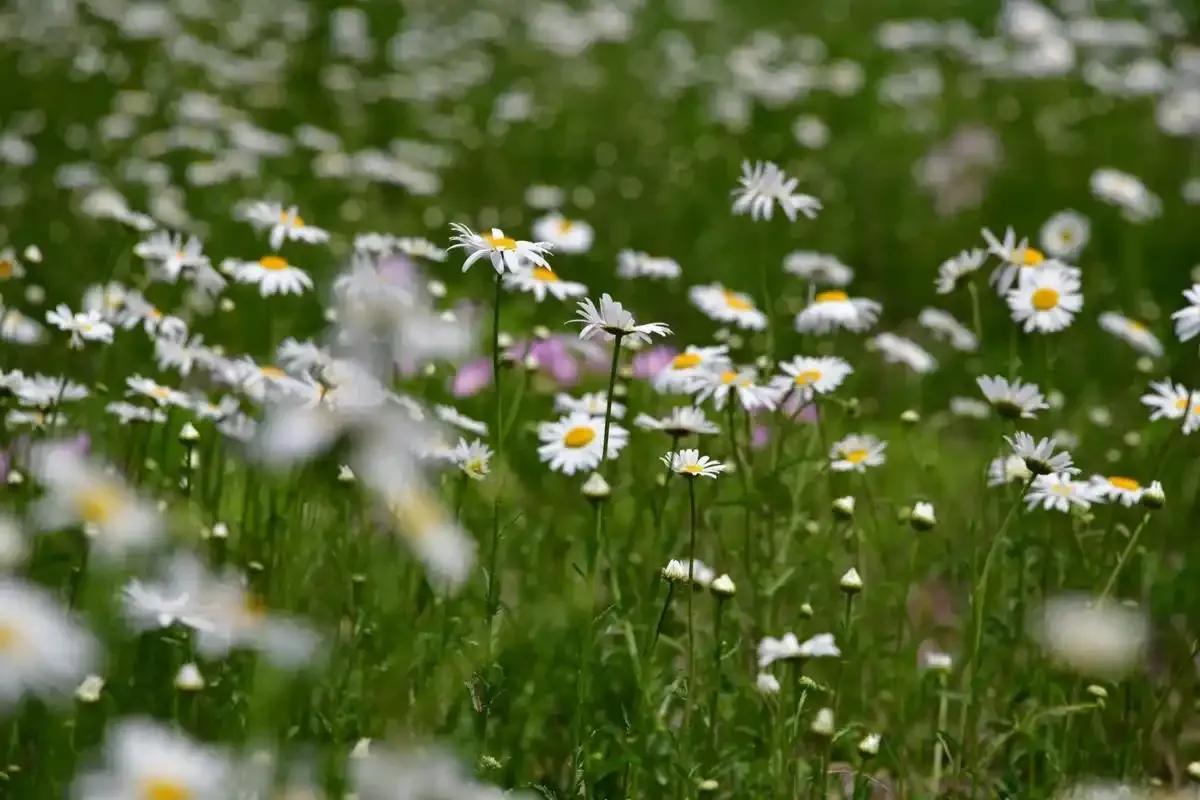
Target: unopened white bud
pixel 1098 692
pixel 33 253
pixel 220 530
pixel 910 416
pixel 843 507
pixel 15 477
pixel 188 433
pixel 1153 496
pixel 869 746
pixel 345 474
pixel 675 571
pixel 595 488
pixel 851 582
pixel 922 517
pixel 189 679
pixel 766 683
pixel 723 586
pixel 1193 770
pixel 822 724
pixel 89 689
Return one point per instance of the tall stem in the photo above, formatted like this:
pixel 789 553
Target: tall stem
pixel 691 483
pixel 497 445
pixel 608 402
pixel 1133 539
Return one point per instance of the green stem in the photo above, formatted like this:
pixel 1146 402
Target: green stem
pixel 1133 539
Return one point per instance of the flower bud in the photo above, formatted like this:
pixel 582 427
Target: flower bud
pixel 1193 771
pixel 188 433
pixel 89 690
pixel 922 517
pixel 766 683
pixel 869 746
pixel 596 489
pixel 189 679
pixel 822 724
pixel 843 507
pixel 910 416
pixel 851 582
pixel 806 610
pixel 1153 496
pixel 675 571
pixel 723 587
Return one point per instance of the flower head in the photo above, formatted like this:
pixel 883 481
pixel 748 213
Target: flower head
pixel 690 464
pixel 856 452
pixel 1013 399
pixel 504 252
pixel 610 320
pixel 763 185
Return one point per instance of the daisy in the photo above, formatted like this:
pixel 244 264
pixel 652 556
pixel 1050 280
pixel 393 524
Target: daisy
pixel 1046 300
pixel 16 327
pixel 170 253
pixel 1126 192
pixel 1187 319
pixel 690 464
pixel 742 381
pixel 682 421
pixel 148 761
pixel 969 407
pixel 809 375
pixel 128 412
pixel 474 458
pixel 1039 456
pixel 1117 489
pixel 43 391
pixel 162 395
pixel 1012 400
pixel 84 326
pixel 575 441
pixel 763 185
pixel 681 372
pixel 610 320
pixel 1007 469
pixel 173 598
pixel 593 404
pixel 1133 332
pixel 856 452
pixel 635 264
pixel 273 274
pixel 834 309
pixel 10 267
pixel 43 651
pixel 943 325
pixel 540 281
pixel 565 235
pixel 899 350
pixel 419 247
pixel 1016 258
pixel 502 251
pixel 1173 401
pixel 790 648
pixel 1065 234
pixel 725 305
pixel 1059 492
pixel 818 268
pixel 285 224
pixel 954 269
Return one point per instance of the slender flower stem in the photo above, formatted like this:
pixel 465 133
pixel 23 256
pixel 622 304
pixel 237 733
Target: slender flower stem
pixel 491 601
pixel 1133 539
pixel 943 707
pixel 608 402
pixel 716 688
pixel 975 318
pixel 691 484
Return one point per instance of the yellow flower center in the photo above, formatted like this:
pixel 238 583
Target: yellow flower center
pixel 98 504
pixel 6 268
pixel 164 789
pixel 9 638
pixel 1030 257
pixel 580 436
pixel 1121 482
pixel 1045 299
pixel 275 263
pixel 545 275
pixel 565 225
pixel 685 361
pixel 693 469
pixel 1062 489
pixel 832 296
pixel 728 376
pixel 296 221
pixel 736 301
pixel 856 456
pixel 1135 326
pixel 272 371
pixel 500 242
pixel 807 377
pixel 161 392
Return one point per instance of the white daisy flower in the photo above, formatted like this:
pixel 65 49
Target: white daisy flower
pixel 1187 319
pixel 790 648
pixel 1065 234
pixel 85 326
pixel 574 442
pixel 504 252
pixel 691 464
pixel 1045 300
pixel 954 269
pixel 148 761
pixel 1133 332
pixel 540 281
pixel 1117 489
pixel 682 421
pixel 1173 401
pixel 809 375
pixel 10 266
pixel 611 320
pixel 1007 469
pixel 128 412
pixel 284 224
pixel 1016 258
pixel 726 305
pixel 565 235
pixel 635 264
pixel 43 391
pixel 763 185
pixel 160 394
pixel 1059 492
pixel 170 253
pixel 1039 455
pixel 681 373
pixel 43 651
pixel 473 458
pixel 899 350
pixel 16 327
pixel 742 382
pixel 1012 400
pixel 594 404
pixel 175 597
pixel 1126 192
pixel 856 452
pixel 834 309
pixel 818 268
pixel 943 325
pixel 273 274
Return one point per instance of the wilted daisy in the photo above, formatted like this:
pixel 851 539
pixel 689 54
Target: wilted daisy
pixel 856 452
pixel 725 305
pixel 681 372
pixel 834 309
pixel 741 382
pixel 611 320
pixel 1093 637
pixel 42 650
pixel 171 253
pixel 574 442
pixel 682 421
pixel 1045 300
pixel 1059 492
pixel 473 458
pixel 594 404
pixel 84 326
pixel 1040 456
pixel 284 224
pixel 1012 400
pixel 944 326
pixel 818 268
pixel 809 375
pixel 144 760
pixel 1117 489
pixel 504 252
pixel 899 350
pixel 1065 234
pixel 1126 192
pixel 563 234
pixel 1187 319
pixel 1133 332
pixel 763 185
pixel 540 281
pixel 690 464
pixel 273 274
pixel 1168 400
pixel 635 264
pixel 954 269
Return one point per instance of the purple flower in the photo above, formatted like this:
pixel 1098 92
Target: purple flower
pixel 649 363
pixel 472 378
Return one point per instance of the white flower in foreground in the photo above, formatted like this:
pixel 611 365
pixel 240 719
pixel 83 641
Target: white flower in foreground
pixel 610 320
pixel 809 375
pixel 690 464
pixel 856 452
pixel 1015 258
pixel 1126 192
pixel 542 281
pixel 741 383
pixel 171 254
pixel 84 326
pixel 818 268
pixel 789 648
pixel 1065 234
pixel 503 252
pixel 1059 492
pixel 635 264
pixel 1187 319
pixel 1012 400
pixel 834 309
pixel 574 442
pixel 284 224
pixel 680 374
pixel 473 458
pixel 1117 489
pixel 1046 300
pixel 1092 637
pixel 273 275
pixel 1135 333
pixel 1168 400
pixel 725 305
pixel 42 650
pixel 1039 456
pixel 682 421
pixel 565 235
pixel 943 325
pixel 763 185
pixel 954 269
pixel 899 350
pixel 144 760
